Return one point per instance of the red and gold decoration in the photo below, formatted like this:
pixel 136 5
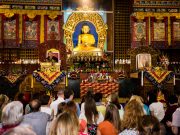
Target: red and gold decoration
pixel 158 76
pixel 105 88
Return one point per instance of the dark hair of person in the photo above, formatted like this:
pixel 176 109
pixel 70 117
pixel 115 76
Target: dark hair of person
pixel 61 107
pixel 173 99
pixel 152 97
pixel 112 115
pixel 89 93
pixel 68 93
pixel 98 97
pixel 150 125
pixel 115 100
pixel 90 110
pixel 44 99
pixel 35 105
pixel 71 105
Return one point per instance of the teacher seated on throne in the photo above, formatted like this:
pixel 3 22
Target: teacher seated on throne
pixel 51 57
pixel 86 42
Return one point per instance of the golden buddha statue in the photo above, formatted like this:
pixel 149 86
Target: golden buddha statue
pixel 86 42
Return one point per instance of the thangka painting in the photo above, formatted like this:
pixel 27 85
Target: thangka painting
pixel 139 30
pixel 176 31
pixel 159 31
pixel 10 29
pixel 53 30
pixel 31 30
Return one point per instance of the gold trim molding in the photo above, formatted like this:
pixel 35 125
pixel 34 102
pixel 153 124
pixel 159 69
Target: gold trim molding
pixel 142 15
pixel 77 17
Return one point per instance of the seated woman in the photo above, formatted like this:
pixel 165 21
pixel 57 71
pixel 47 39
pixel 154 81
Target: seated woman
pixel 86 41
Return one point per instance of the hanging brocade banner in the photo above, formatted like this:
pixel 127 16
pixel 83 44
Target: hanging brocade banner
pixel 159 77
pixel 49 80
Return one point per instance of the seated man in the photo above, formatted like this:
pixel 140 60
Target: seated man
pixel 51 57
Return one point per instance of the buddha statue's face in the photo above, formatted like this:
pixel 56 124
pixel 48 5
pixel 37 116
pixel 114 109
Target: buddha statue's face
pixel 85 29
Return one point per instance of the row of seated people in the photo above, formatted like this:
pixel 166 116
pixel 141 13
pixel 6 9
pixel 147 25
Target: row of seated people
pixel 63 116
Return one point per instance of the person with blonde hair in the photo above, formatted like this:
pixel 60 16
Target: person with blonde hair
pixel 12 115
pixel 141 101
pixel 131 119
pixel 20 130
pixel 65 124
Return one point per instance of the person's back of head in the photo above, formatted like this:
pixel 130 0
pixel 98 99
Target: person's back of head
pixel 65 124
pixel 98 97
pixel 60 93
pixel 112 115
pixel 68 93
pixel 71 105
pixel 12 113
pixel 90 110
pixel 173 99
pixel 133 111
pixel 61 107
pixel 35 105
pixel 44 99
pixel 114 99
pixel 150 125
pixel 20 130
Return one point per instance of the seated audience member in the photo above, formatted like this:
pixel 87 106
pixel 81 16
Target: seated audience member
pixel 65 124
pixel 114 99
pixel 111 123
pixel 91 116
pixel 36 119
pixel 71 105
pixel 99 105
pixel 173 105
pixel 54 104
pixel 140 100
pixel 150 125
pixel 89 94
pixel 156 107
pixel 175 124
pixel 34 96
pixel 20 130
pixel 3 101
pixel 69 95
pixel 45 105
pixel 133 112
pixel 12 115
pixel 61 108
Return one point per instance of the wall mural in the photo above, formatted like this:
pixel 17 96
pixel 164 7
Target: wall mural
pixel 31 30
pixel 159 31
pixel 176 26
pixel 10 29
pixel 53 30
pixel 140 31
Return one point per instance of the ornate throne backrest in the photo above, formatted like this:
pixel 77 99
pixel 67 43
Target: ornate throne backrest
pixel 55 53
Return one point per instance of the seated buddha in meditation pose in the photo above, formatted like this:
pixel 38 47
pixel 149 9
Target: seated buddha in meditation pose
pixel 86 42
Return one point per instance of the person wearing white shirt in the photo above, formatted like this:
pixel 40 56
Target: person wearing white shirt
pixel 54 104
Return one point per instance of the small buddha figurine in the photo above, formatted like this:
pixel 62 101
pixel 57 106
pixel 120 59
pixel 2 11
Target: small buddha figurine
pixel 86 41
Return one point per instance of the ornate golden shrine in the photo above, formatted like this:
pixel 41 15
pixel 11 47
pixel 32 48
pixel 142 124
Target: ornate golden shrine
pixel 77 17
